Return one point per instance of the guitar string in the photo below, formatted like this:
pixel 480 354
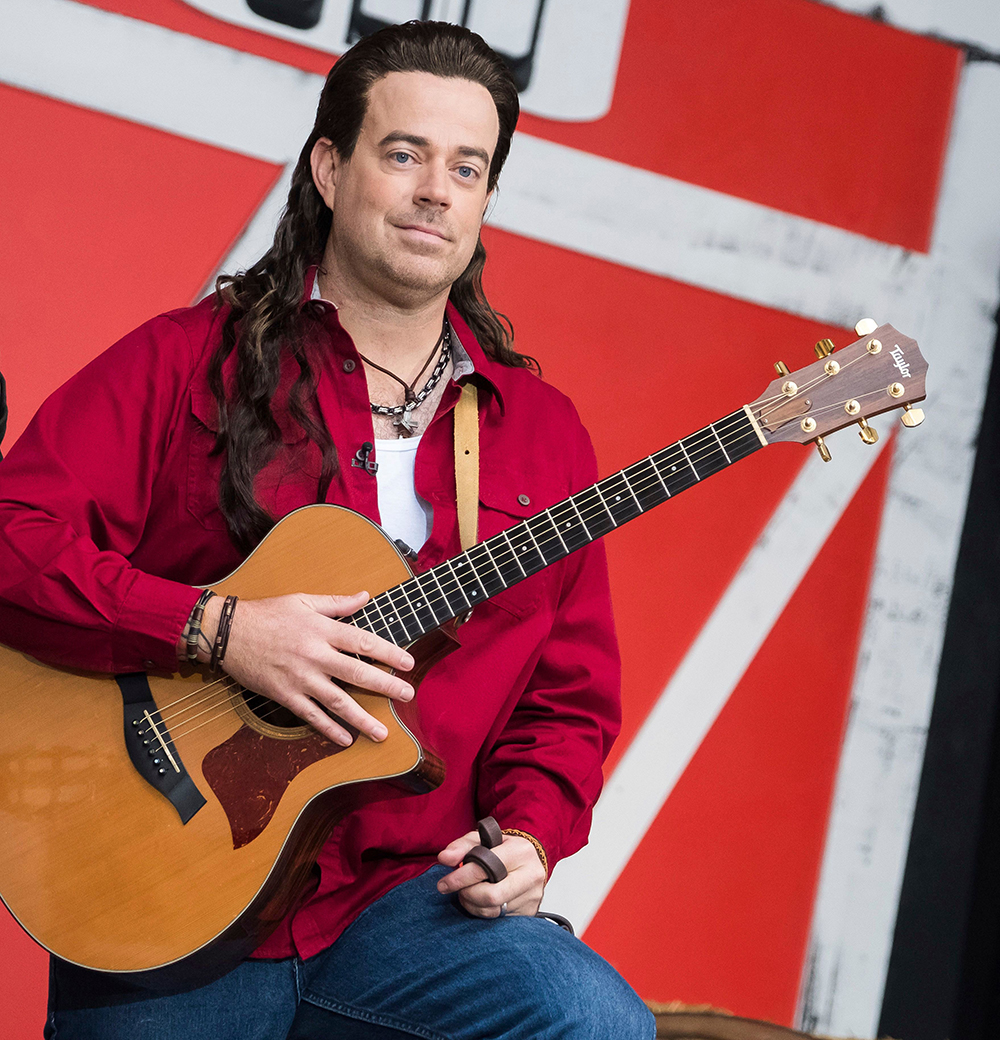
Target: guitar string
pixel 453 584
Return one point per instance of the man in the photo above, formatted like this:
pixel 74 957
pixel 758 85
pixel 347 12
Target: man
pixel 360 324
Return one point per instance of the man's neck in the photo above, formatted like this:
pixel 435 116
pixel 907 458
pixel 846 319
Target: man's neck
pixel 395 335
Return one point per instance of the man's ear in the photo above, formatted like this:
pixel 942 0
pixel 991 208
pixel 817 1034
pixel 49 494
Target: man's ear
pixel 486 206
pixel 325 163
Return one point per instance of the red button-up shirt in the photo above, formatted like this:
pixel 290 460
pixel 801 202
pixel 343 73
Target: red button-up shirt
pixel 109 517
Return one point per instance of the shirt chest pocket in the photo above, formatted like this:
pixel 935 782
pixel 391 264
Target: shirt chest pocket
pixel 506 501
pixel 288 481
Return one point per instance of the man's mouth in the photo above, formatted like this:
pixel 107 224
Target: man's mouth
pixel 424 229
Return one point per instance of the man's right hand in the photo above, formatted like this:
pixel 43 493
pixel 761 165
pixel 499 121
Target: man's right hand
pixel 295 651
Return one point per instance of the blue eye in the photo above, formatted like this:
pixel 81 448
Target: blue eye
pixel 400 157
pixel 466 171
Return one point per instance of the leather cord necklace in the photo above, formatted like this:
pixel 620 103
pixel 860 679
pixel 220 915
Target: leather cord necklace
pixel 401 412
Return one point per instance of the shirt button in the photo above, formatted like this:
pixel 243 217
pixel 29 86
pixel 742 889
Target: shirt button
pixel 350 365
pixel 524 500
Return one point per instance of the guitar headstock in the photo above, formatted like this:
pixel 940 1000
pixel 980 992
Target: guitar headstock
pixel 880 371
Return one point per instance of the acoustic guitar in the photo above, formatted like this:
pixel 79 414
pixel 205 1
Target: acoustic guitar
pixel 162 825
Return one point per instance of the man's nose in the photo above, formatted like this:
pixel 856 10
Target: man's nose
pixel 434 187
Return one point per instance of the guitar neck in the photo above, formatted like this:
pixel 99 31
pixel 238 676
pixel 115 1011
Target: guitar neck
pixel 418 606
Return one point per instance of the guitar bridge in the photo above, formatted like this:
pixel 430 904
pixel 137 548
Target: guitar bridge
pixel 153 753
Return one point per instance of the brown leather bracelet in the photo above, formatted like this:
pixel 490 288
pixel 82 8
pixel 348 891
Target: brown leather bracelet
pixel 534 841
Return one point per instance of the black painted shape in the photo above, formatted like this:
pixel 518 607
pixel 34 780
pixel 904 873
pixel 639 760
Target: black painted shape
pixel 175 785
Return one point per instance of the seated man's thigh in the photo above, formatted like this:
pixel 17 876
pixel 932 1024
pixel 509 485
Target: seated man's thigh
pixel 416 964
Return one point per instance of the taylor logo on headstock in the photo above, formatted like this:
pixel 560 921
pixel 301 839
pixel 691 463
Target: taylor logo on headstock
pixel 901 364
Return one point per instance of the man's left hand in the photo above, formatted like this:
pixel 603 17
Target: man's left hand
pixel 521 889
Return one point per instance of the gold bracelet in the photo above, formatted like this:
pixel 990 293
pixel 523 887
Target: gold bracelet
pixel 534 841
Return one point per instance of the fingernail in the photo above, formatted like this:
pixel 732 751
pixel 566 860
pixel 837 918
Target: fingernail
pixel 408 662
pixel 380 733
pixel 407 693
pixel 344 739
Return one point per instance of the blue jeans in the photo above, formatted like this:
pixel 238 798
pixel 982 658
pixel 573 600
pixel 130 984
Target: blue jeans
pixel 412 965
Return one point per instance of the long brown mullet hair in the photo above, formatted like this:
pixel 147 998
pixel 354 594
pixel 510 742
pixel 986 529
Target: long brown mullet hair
pixel 266 318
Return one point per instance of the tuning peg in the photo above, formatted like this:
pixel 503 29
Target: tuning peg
pixel 781 368
pixel 824 348
pixel 866 326
pixel 824 451
pixel 911 416
pixel 868 433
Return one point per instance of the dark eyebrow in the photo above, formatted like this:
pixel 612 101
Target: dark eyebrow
pixel 422 142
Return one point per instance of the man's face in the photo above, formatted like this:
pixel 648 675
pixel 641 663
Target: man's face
pixel 408 204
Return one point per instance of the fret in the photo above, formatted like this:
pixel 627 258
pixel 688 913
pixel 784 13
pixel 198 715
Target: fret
pixel 628 484
pixel 729 461
pixel 443 608
pixel 401 607
pixel 391 618
pixel 543 529
pixel 740 437
pixel 525 548
pixel 538 545
pixel 659 476
pixel 594 511
pixel 504 557
pixel 680 444
pixel 618 498
pixel 378 625
pixel 409 612
pixel 458 602
pixel 570 525
pixel 468 576
pixel 421 606
pixel 555 527
pixel 488 572
pixel 646 484
pixel 707 452
pixel 674 471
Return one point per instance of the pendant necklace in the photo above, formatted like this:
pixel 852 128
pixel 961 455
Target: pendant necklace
pixel 401 412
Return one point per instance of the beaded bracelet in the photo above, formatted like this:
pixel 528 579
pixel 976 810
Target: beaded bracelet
pixel 534 841
pixel 192 630
pixel 222 633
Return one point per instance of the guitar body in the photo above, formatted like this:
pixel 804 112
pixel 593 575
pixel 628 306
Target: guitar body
pixel 97 864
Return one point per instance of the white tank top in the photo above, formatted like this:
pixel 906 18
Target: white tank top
pixel 405 515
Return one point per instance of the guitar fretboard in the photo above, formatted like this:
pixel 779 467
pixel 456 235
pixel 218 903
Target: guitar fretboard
pixel 423 603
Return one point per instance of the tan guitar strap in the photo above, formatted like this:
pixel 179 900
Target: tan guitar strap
pixel 467 465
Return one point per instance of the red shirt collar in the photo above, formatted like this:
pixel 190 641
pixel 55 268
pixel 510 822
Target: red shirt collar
pixel 485 367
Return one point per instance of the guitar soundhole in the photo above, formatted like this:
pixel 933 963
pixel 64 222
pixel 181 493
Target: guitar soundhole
pixel 268 717
pixel 275 720
pixel 270 712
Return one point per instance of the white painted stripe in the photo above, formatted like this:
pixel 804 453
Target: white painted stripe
pixel 158 77
pixel 570 198
pixel 710 671
pixel 911 588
